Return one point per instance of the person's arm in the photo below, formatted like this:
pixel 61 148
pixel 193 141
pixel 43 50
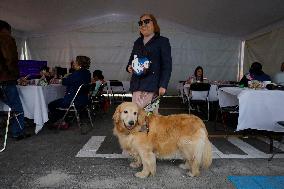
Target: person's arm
pixel 10 54
pixel 166 64
pixel 129 65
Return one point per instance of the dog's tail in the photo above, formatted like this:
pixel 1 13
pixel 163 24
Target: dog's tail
pixel 207 154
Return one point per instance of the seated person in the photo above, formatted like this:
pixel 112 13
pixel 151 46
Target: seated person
pixel 80 76
pixel 255 73
pixel 279 77
pixel 98 78
pixel 56 76
pixel 71 69
pixel 45 76
pixel 197 77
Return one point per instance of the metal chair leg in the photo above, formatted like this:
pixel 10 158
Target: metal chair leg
pixel 90 117
pixel 271 148
pixel 6 131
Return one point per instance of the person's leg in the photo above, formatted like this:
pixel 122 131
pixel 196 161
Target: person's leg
pixel 142 98
pixel 54 113
pixel 12 99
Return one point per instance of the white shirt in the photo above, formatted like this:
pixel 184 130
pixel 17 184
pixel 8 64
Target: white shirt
pixel 279 78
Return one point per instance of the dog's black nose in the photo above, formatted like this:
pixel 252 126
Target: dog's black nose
pixel 131 122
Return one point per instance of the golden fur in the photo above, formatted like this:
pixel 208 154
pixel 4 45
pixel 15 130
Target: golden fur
pixel 168 135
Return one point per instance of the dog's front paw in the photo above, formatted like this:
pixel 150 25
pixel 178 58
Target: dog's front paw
pixel 135 164
pixel 192 174
pixel 183 166
pixel 141 174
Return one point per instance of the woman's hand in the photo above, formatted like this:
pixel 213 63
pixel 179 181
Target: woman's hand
pixel 130 69
pixel 162 91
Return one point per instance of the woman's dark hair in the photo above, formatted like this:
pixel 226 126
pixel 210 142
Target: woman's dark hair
pixel 5 25
pixel 195 72
pixel 155 23
pixel 83 61
pixel 98 74
pixel 256 68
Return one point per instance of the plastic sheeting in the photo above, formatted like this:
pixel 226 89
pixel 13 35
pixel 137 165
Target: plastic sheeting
pixel 268 49
pixel 109 45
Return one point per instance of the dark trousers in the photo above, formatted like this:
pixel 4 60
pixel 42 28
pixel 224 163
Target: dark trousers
pixel 54 113
pixel 10 96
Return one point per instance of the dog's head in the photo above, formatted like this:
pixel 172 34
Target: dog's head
pixel 128 117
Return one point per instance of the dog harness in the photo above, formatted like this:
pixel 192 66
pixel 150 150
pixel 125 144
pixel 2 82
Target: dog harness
pixel 149 109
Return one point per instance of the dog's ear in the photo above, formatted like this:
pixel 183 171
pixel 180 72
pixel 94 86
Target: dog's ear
pixel 116 115
pixel 142 117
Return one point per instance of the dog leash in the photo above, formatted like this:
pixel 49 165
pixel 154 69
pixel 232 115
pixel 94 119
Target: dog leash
pixel 149 108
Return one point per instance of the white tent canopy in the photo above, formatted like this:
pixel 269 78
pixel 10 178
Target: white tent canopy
pixel 206 33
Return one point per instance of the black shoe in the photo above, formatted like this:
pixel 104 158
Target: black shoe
pixel 21 136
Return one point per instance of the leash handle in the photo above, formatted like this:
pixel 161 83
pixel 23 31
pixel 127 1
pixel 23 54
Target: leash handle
pixel 153 104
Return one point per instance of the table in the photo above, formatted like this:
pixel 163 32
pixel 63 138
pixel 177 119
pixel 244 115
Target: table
pixel 258 109
pixel 35 100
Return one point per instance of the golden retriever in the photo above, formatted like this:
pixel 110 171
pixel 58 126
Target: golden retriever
pixel 163 137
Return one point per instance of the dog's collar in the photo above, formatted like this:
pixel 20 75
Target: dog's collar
pixel 144 128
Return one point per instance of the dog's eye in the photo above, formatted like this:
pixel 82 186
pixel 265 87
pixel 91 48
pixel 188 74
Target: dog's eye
pixel 135 113
pixel 125 111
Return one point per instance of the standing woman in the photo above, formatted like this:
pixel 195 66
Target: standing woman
pixel 155 51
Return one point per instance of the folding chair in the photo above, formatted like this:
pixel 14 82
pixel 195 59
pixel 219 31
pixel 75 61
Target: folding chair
pixel 198 94
pixel 6 131
pixel 181 92
pixel 72 108
pixel 281 123
pixel 117 89
pixel 225 111
pixel 97 98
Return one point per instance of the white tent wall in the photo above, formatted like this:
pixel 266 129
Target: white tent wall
pixel 109 45
pixel 268 49
pixel 20 41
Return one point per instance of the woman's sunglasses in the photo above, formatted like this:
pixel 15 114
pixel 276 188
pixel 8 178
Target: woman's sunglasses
pixel 146 21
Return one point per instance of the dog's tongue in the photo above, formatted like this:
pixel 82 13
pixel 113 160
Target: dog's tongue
pixel 129 127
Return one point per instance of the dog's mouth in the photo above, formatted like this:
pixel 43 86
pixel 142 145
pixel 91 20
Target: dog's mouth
pixel 127 126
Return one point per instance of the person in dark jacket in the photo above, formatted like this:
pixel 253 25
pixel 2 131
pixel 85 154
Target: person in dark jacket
pixel 255 73
pixel 80 76
pixel 9 73
pixel 150 62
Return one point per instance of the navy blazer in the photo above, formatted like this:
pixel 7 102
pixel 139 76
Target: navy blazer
pixel 72 83
pixel 158 51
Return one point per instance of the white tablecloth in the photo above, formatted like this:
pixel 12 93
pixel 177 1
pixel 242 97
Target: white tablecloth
pixel 35 100
pixel 258 109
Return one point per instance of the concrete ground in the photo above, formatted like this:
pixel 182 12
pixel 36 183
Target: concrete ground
pixel 70 160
